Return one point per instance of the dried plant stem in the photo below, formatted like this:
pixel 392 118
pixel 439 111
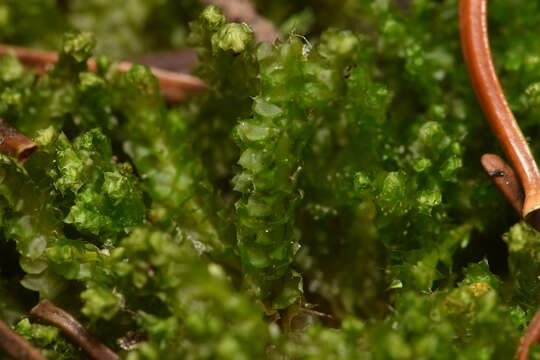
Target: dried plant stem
pixel 244 10
pixel 16 346
pixel 506 180
pixel 524 195
pixel 15 144
pixel 477 53
pixel 47 312
pixel 508 183
pixel 174 86
pixel 182 61
pixel 41 61
pixel 531 336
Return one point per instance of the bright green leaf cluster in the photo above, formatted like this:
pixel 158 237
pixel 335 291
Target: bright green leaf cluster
pixel 201 316
pixel 447 324
pixel 298 84
pixel 106 199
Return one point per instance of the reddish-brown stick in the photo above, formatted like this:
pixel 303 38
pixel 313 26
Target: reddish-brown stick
pixel 182 61
pixel 16 346
pixel 506 180
pixel 174 86
pixel 531 336
pixel 47 312
pixel 15 144
pixel 477 53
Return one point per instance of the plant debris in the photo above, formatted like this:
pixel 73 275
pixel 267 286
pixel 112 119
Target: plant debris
pixel 174 86
pixel 15 144
pixel 48 313
pixel 17 347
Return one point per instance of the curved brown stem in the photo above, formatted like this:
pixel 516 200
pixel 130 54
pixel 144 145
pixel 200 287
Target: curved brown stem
pixel 506 180
pixel 531 336
pixel 15 144
pixel 47 312
pixel 16 346
pixel 182 61
pixel 40 60
pixel 477 53
pixel 174 86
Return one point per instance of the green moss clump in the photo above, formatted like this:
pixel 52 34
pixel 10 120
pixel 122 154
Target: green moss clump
pixel 322 199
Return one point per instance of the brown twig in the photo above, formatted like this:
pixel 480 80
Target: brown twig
pixel 16 346
pixel 15 144
pixel 524 195
pixel 174 86
pixel 182 61
pixel 244 10
pixel 477 53
pixel 508 183
pixel 41 61
pixel 47 312
pixel 506 180
pixel 531 336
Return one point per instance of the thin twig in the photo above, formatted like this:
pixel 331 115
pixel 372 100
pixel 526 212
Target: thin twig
pixel 182 61
pixel 506 180
pixel 47 312
pixel 174 86
pixel 508 183
pixel 16 346
pixel 477 53
pixel 15 144
pixel 244 10
pixel 41 61
pixel 531 336
pixel 525 198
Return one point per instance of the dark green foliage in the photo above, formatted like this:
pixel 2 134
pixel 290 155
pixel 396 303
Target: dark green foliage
pixel 123 29
pixel 157 143
pixel 20 22
pixel 227 63
pixel 200 315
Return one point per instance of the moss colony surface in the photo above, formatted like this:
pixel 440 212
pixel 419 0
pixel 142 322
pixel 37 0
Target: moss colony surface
pixel 323 199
